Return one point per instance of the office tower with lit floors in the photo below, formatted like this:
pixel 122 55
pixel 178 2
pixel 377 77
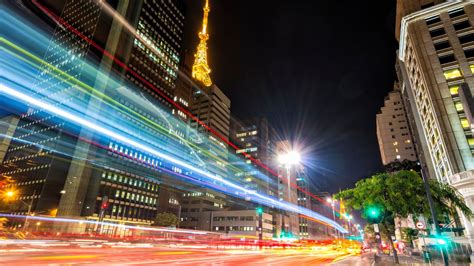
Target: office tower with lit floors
pixel 436 55
pixel 124 190
pixel 257 138
pixel 393 131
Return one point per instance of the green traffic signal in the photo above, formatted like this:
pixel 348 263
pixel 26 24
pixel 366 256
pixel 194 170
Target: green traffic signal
pixel 374 212
pixel 259 210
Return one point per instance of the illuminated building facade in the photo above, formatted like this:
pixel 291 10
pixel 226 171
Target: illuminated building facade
pixel 65 185
pixel 241 223
pixel 304 201
pixel 212 107
pixel 257 138
pixel 33 168
pixel 393 131
pixel 197 207
pixel 436 57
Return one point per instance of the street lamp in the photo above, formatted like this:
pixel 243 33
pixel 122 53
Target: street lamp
pixel 333 203
pixel 288 160
pixel 10 194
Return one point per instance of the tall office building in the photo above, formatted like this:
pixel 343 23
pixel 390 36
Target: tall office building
pixel 257 138
pixel 212 107
pixel 303 200
pixel 129 188
pixel 393 131
pixel 32 167
pixel 436 58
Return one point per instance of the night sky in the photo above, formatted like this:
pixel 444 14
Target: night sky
pixel 317 69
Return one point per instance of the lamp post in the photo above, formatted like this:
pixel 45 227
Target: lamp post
pixel 10 194
pixel 288 160
pixel 332 202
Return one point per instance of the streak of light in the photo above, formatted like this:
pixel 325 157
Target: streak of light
pixel 109 133
pixel 110 10
pixel 69 220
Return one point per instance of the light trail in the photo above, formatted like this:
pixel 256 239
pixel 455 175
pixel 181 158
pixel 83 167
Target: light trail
pixel 124 23
pixel 18 96
pixel 69 220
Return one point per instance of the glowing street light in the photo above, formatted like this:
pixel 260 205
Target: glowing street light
pixel 290 158
pixel 333 203
pixel 10 194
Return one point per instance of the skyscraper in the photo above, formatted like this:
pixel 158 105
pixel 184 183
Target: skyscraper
pixel 149 53
pixel 257 138
pixel 393 132
pixel 436 57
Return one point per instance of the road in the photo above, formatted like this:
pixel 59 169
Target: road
pixel 154 255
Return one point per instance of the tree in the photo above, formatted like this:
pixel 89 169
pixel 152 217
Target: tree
pixel 397 165
pixel 400 194
pixel 166 219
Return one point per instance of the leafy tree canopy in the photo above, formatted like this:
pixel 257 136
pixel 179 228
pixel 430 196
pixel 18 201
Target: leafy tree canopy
pixel 166 219
pixel 400 194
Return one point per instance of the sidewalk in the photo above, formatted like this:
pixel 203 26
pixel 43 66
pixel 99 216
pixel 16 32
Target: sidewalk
pixel 403 259
pixel 386 260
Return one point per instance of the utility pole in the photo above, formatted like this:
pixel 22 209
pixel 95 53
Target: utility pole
pixel 444 254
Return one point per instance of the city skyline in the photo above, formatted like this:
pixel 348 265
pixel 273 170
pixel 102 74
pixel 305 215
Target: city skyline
pixel 235 132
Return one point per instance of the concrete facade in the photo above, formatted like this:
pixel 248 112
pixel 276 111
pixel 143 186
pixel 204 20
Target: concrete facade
pixel 436 57
pixel 393 132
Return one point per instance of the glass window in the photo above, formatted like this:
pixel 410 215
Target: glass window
pixel 464 123
pixel 462 25
pixel 437 32
pixel 454 90
pixel 452 73
pixel 442 45
pixel 433 20
pixel 458 106
pixel 470 141
pixel 447 59
pixel 472 68
pixel 469 53
pixel 456 13
pixel 466 38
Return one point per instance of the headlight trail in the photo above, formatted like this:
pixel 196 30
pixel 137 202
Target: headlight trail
pixel 69 220
pixel 109 101
pixel 112 12
pixel 141 140
pixel 271 202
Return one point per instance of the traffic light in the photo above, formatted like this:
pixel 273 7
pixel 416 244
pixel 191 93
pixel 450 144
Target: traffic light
pixel 441 240
pixel 104 205
pixel 259 210
pixel 373 214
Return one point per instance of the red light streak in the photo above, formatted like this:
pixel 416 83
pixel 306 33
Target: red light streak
pixel 157 90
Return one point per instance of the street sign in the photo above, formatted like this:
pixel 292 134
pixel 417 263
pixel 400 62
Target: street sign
pixel 376 228
pixel 420 225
